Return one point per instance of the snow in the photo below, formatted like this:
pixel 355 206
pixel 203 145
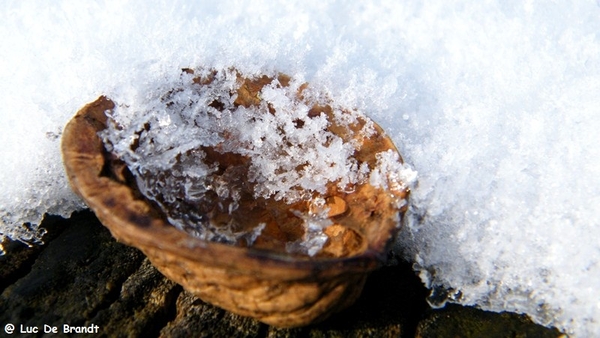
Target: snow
pixel 494 103
pixel 198 152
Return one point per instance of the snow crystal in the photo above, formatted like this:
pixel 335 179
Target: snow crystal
pixel 494 103
pixel 200 143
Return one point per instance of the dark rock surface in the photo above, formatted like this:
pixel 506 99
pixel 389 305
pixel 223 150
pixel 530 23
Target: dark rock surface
pixel 475 323
pixel 83 277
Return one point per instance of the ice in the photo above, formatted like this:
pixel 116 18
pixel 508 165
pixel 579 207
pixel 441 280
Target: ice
pixel 314 223
pixel 494 103
pixel 198 153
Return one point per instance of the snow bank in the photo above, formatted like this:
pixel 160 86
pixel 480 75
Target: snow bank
pixel 495 104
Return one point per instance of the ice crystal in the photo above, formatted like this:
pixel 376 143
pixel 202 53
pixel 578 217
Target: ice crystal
pixel 199 147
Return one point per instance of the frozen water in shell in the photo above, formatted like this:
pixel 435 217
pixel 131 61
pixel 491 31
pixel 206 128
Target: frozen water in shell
pixel 494 103
pixel 198 148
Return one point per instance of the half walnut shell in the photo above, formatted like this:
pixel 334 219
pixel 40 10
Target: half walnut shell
pixel 264 280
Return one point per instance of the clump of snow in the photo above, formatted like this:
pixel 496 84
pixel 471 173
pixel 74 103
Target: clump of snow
pixel 390 173
pixel 279 148
pixel 495 104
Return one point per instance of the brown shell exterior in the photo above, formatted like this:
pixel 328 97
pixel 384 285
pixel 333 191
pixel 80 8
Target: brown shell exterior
pixel 277 289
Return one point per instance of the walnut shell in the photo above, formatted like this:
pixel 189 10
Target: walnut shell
pixel 262 282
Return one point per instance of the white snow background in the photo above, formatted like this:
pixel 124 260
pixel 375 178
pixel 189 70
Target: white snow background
pixel 495 103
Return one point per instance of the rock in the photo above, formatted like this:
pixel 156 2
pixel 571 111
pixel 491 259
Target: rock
pixel 145 304
pixel 18 263
pixel 76 275
pixel 468 322
pixel 197 318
